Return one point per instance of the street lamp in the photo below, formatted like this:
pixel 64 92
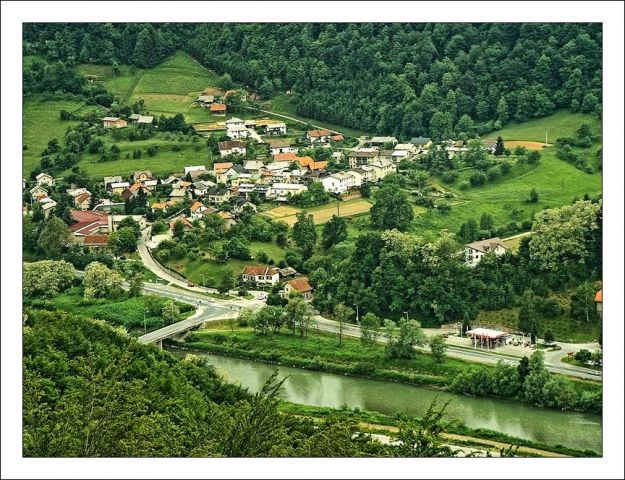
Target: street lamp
pixel 357 317
pixel 203 280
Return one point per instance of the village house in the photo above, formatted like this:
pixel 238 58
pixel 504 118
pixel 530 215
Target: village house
pixel 196 210
pixel 178 195
pixel 149 185
pixel 106 205
pixel 232 147
pixel 193 169
pixel 113 179
pixel 339 182
pixel 45 179
pixel 361 157
pixel 310 163
pixel 300 286
pixel 228 218
pixel 145 120
pixel 201 187
pixel 421 143
pixel 281 145
pixel 287 272
pixel 475 251
pixel 276 128
pixel 386 155
pixel 142 176
pixel 205 100
pixel 74 192
pixel 284 157
pixel 337 138
pixel 237 131
pixel 217 195
pixel 382 168
pixel 160 207
pixel 282 191
pixel 407 147
pixel 241 203
pixel 261 275
pixel 253 166
pixel 338 156
pixel 186 223
pixel 117 188
pixel 379 141
pixel 47 205
pixel 599 303
pixel 219 169
pixel 169 180
pixel 88 223
pixel 114 122
pixel 318 136
pixel 115 219
pixel 83 201
pixel 250 123
pixel 399 155
pixel 234 122
pixel 38 192
pixel 218 109
pixel 96 241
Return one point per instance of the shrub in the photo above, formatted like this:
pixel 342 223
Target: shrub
pixel 505 168
pixel 463 185
pixel 450 177
pixel 477 179
pixel 492 174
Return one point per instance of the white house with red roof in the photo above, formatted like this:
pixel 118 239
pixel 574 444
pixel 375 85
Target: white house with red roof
pixel 261 275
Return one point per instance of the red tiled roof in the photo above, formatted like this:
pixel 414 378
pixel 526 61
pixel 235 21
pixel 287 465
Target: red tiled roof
pixel 318 133
pixel 337 138
pixel 599 296
pixel 135 186
pixel 96 239
pixel 255 271
pixel 222 166
pixel 196 205
pixel 304 161
pixel 318 165
pixel 87 221
pixel 300 284
pixel 218 107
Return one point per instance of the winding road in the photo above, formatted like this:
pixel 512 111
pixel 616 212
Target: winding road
pixel 216 308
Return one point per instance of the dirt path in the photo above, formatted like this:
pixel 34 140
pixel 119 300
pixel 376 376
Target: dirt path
pixel 466 438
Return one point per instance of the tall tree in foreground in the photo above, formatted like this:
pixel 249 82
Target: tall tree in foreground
pixel 423 437
pixel 342 314
pixel 53 237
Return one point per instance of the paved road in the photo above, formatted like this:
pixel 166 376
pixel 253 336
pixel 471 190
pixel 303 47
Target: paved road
pixel 476 355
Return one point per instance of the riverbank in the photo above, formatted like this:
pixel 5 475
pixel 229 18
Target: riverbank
pixel 320 352
pixel 463 435
pixel 382 404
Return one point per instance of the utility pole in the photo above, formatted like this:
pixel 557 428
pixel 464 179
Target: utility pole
pixel 406 316
pixel 357 317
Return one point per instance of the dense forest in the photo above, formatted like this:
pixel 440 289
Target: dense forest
pixel 401 79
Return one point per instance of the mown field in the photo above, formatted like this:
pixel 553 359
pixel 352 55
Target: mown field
pixel 41 123
pixel 322 213
pixel 560 124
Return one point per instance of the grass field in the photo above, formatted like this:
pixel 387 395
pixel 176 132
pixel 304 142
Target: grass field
pixel 563 327
pixel 323 213
pixel 165 161
pixel 556 181
pixel 560 124
pixel 41 123
pixel 213 271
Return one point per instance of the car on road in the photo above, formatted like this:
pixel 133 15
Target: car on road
pixel 190 284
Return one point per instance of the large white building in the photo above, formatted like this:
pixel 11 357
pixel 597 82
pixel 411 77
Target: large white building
pixel 474 252
pixel 237 131
pixel 339 182
pixel 282 191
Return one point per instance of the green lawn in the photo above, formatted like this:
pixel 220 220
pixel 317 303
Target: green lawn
pixel 164 162
pixel 213 271
pixel 560 124
pixel 42 123
pixel 556 181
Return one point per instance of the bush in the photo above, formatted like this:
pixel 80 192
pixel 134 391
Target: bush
pixel 477 179
pixel 450 177
pixel 463 185
pixel 492 174
pixel 505 168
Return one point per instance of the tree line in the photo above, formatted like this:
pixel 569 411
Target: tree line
pixel 402 79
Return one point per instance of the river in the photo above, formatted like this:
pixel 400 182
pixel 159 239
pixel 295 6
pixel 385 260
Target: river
pixel 571 429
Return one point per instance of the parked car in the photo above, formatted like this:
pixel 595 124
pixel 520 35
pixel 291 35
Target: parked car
pixel 190 284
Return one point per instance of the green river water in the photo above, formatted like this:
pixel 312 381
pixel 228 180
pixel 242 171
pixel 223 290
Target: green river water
pixel 572 429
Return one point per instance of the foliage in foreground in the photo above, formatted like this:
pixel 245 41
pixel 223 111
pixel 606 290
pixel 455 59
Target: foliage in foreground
pixel 91 391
